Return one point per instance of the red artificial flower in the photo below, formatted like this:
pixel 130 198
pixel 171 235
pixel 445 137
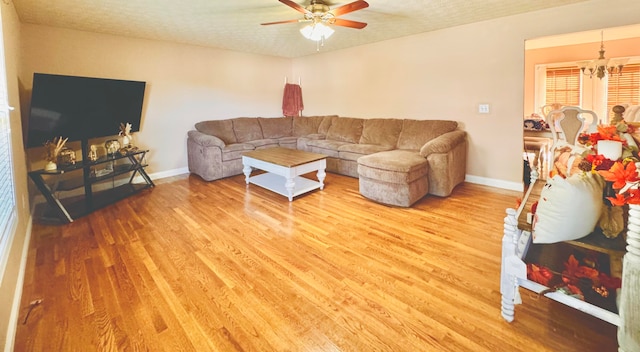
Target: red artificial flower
pixel 609 282
pixel 633 196
pixel 620 175
pixel 618 200
pixel 574 271
pixel 539 274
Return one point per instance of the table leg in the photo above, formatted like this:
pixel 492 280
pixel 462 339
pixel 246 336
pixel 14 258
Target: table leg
pixel 247 172
pixel 321 175
pixel 508 282
pixel 290 185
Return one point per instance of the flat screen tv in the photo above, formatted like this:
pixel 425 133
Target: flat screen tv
pixel 81 108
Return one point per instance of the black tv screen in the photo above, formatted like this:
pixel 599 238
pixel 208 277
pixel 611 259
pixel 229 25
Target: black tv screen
pixel 82 108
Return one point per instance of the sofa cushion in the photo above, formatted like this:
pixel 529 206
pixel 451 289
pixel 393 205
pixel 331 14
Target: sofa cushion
pixel 397 160
pixel 325 146
pixel 326 123
pixel 247 129
pixel 222 129
pixel 345 129
pixel 301 143
pixel 304 125
pixel 263 143
pixel 276 127
pixel 354 151
pixel 415 133
pixel 235 151
pixel 381 131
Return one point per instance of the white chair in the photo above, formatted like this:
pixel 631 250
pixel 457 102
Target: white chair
pixel 570 122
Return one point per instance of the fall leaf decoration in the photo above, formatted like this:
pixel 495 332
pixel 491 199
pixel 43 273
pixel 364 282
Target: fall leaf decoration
pixel 573 274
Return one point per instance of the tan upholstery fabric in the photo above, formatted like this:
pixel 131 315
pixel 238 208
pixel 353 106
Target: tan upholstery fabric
pixel 381 131
pixel 346 129
pixel 326 123
pixel 305 125
pixel 276 127
pixel 354 151
pixel 264 143
pixel 415 133
pixel 235 151
pixel 205 140
pixel 396 177
pixel 247 129
pixel 394 166
pixel 325 146
pixel 222 129
pixel 444 143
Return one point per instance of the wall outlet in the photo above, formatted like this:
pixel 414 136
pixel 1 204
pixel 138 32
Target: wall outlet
pixel 483 108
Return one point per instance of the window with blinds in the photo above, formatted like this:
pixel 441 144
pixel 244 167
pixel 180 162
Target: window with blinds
pixel 624 88
pixel 563 86
pixel 7 194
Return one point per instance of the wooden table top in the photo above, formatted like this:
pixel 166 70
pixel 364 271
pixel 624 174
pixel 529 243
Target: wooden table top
pixel 284 156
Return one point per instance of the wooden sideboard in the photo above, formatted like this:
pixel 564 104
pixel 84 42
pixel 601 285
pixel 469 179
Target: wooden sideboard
pixel 624 261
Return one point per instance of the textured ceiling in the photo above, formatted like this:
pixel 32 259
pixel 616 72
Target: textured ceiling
pixel 235 24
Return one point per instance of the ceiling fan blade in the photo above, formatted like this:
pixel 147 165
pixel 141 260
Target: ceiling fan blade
pixel 279 22
pixel 295 6
pixel 350 7
pixel 348 23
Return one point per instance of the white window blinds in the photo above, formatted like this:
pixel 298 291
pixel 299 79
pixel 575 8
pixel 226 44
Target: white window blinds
pixel 563 86
pixel 624 88
pixel 7 193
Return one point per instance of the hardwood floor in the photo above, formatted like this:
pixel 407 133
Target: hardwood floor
pixel 215 266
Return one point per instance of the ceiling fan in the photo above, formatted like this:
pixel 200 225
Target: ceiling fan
pixel 319 13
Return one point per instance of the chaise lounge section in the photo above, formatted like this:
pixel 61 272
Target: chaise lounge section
pixel 397 161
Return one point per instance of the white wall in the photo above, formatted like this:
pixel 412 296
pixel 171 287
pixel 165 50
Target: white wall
pixel 185 83
pixel 447 73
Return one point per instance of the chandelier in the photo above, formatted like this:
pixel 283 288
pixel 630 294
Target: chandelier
pixel 601 66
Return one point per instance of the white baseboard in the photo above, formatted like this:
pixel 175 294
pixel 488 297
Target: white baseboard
pixel 514 186
pixel 17 296
pixel 163 174
pixel 169 173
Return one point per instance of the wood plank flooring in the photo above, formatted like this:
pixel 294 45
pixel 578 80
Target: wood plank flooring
pixel 216 266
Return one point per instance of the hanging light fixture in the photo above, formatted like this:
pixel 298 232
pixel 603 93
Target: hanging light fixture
pixel 316 31
pixel 602 66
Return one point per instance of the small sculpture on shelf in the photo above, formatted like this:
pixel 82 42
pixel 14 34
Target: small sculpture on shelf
pixel 112 146
pixel 52 150
pixel 125 132
pixel 66 157
pixel 93 153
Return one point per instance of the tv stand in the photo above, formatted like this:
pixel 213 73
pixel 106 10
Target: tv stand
pixel 98 180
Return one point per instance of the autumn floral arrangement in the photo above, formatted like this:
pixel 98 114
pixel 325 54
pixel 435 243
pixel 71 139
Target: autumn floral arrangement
pixel 621 173
pixel 577 278
pixel 621 188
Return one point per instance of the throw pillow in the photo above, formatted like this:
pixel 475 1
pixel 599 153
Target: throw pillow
pixel 568 208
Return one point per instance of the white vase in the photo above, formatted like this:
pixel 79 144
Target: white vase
pixel 611 150
pixel 50 166
pixel 126 140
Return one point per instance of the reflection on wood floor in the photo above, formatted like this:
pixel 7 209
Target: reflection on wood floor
pixel 218 266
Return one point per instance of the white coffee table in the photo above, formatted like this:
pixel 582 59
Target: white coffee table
pixel 284 168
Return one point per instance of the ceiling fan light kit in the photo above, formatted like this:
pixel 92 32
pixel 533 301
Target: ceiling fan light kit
pixel 322 18
pixel 316 32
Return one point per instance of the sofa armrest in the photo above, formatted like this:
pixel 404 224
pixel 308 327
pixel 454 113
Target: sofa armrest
pixel 444 143
pixel 205 140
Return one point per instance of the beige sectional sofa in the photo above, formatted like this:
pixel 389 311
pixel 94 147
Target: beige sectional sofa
pixel 398 161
